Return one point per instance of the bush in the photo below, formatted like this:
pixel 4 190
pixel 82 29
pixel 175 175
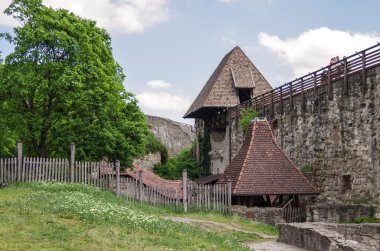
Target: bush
pixel 153 145
pixel 306 168
pixel 172 170
pixel 360 201
pixel 246 117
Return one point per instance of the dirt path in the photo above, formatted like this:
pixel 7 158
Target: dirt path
pixel 273 246
pixel 270 245
pixel 217 224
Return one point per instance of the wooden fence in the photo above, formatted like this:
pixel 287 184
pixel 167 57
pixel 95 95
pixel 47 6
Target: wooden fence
pixel 106 176
pixel 209 197
pixel 312 85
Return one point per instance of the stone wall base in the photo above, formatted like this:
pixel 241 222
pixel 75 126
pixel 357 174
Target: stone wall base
pixel 320 236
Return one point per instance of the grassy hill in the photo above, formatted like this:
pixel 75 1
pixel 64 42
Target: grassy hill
pixel 55 216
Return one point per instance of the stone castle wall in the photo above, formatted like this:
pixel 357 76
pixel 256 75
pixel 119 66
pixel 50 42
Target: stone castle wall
pixel 339 138
pixel 174 135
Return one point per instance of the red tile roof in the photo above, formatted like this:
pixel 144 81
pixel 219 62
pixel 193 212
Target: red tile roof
pixel 211 179
pixel 262 168
pixel 151 179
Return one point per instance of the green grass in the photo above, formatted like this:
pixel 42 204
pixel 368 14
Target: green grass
pixel 366 219
pixel 55 216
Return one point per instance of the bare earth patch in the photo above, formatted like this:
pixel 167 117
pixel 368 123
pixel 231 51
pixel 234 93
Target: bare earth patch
pixel 270 244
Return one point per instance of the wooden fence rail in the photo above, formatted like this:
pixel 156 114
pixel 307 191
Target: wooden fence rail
pixel 106 176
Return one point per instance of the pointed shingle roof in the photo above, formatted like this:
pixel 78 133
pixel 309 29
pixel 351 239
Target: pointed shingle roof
pixel 234 71
pixel 262 168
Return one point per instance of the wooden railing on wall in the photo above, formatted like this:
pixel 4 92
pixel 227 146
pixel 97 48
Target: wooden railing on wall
pixel 311 85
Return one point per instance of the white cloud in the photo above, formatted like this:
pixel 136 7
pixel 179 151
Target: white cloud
pixel 121 16
pixel 313 49
pixel 227 1
pixel 163 101
pixel 159 84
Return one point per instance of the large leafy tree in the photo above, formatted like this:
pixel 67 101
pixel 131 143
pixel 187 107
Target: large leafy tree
pixel 61 84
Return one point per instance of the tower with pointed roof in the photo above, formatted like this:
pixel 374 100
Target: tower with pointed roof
pixel 235 80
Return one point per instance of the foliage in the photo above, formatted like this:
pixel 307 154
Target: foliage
pixel 40 216
pixel 61 85
pixel 182 161
pixel 306 168
pixel 153 145
pixel 246 117
pixel 204 144
pixel 360 201
pixel 366 219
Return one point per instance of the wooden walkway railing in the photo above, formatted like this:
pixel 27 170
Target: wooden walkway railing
pixel 106 176
pixel 310 86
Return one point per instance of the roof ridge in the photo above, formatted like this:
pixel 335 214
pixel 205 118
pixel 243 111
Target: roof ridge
pixel 248 151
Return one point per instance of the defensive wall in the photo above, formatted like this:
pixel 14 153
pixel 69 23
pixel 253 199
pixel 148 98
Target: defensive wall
pixel 329 120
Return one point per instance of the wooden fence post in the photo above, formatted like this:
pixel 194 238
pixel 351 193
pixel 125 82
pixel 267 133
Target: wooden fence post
pixel 19 160
pixel 72 161
pixel 140 186
pixel 184 182
pixel 117 178
pixel 229 196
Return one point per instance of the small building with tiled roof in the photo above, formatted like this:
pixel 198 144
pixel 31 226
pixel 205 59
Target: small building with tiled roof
pixel 235 80
pixel 261 174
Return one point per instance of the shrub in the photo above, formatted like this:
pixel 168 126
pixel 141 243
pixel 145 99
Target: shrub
pixel 306 168
pixel 173 168
pixel 153 145
pixel 246 117
pixel 360 201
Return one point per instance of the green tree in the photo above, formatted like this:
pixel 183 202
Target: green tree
pixel 61 84
pixel 172 170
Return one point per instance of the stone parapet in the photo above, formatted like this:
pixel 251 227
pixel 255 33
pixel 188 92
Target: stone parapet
pixel 267 215
pixel 337 213
pixel 328 236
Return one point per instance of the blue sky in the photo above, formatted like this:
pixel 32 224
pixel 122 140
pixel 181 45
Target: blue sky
pixel 168 49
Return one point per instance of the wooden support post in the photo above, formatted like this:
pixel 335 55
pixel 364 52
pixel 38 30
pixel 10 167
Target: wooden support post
pixel 302 96
pixel 184 183
pixel 329 91
pixel 345 78
pixel 117 178
pixel 271 103
pixel 72 161
pixel 315 85
pixel 19 161
pixel 364 72
pixel 281 97
pixel 140 186
pixel 291 96
pixel 262 106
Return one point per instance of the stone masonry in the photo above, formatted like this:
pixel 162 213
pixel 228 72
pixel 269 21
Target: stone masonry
pixel 339 138
pixel 328 236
